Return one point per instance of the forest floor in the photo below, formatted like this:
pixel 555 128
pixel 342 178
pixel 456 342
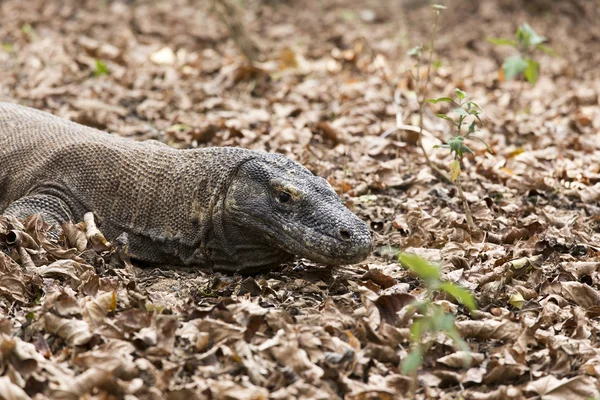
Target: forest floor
pixel 328 90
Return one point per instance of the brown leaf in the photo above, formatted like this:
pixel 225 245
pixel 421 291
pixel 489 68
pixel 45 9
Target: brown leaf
pixel 331 133
pixel 551 388
pixel 489 329
pixel 63 269
pixel 461 358
pixel 81 385
pixel 115 356
pixel 10 391
pixel 95 310
pixel 384 308
pixel 75 332
pixel 64 303
pixel 75 235
pixel 378 277
pixel 580 293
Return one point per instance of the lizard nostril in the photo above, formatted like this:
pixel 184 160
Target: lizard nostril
pixel 344 234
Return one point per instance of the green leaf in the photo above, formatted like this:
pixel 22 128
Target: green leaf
pixel 424 269
pixel 441 146
pixel 546 50
pixel 514 66
pixel 7 47
pixel 27 29
pixel 487 146
pixel 444 116
pixel 415 51
pixel 465 149
pixel 458 146
pixel 347 15
pixel 442 320
pixel 502 42
pixel 460 94
pixel 473 110
pixel 413 360
pixel 532 38
pixel 455 143
pixel 454 170
pixel 459 293
pixel 417 329
pixel 472 127
pixel 461 112
pixel 517 300
pixel 101 69
pixel 420 306
pixel 472 103
pixel 532 72
pixel 439 100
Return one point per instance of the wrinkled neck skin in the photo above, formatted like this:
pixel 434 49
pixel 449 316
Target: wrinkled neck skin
pixel 236 248
pixel 233 245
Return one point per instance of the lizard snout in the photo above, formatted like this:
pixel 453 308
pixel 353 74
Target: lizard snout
pixel 355 242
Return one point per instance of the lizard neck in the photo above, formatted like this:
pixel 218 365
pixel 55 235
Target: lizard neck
pixel 248 258
pixel 236 248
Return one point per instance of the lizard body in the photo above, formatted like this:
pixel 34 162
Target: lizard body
pixel 230 208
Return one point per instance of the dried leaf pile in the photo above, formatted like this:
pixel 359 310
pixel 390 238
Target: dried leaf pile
pixel 78 320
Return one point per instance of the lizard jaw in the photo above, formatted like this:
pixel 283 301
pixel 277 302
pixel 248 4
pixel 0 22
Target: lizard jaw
pixel 333 244
pixel 328 250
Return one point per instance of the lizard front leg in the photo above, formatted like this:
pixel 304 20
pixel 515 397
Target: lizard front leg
pixel 52 209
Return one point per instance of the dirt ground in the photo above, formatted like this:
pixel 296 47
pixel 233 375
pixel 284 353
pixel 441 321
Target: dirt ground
pixel 328 88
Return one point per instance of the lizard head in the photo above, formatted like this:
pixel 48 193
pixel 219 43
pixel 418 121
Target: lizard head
pixel 279 204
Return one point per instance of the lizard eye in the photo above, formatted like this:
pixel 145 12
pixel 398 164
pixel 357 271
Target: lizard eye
pixel 284 197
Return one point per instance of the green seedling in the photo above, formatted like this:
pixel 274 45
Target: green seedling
pixel 464 116
pixel 432 318
pixel 100 69
pixel 527 41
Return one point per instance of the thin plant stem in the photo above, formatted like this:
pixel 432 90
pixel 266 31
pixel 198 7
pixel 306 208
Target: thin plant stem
pixel 462 196
pixel 422 100
pixel 428 76
pixel 412 388
pixel 517 102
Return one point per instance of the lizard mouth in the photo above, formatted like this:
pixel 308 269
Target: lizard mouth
pixel 327 249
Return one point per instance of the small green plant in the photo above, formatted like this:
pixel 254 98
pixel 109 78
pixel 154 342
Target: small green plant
pixel 29 32
pixel 100 69
pixel 7 47
pixel 464 117
pixel 432 318
pixel 527 41
pixel 27 29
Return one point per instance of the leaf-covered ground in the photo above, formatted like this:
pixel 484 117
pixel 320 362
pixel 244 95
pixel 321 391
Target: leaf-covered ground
pixel 328 90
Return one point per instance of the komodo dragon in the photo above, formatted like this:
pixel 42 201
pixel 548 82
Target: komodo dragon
pixel 228 208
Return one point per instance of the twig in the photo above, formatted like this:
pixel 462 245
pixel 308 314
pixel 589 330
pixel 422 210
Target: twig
pixel 462 196
pixel 444 176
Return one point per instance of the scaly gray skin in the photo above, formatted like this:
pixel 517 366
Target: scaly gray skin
pixel 229 208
